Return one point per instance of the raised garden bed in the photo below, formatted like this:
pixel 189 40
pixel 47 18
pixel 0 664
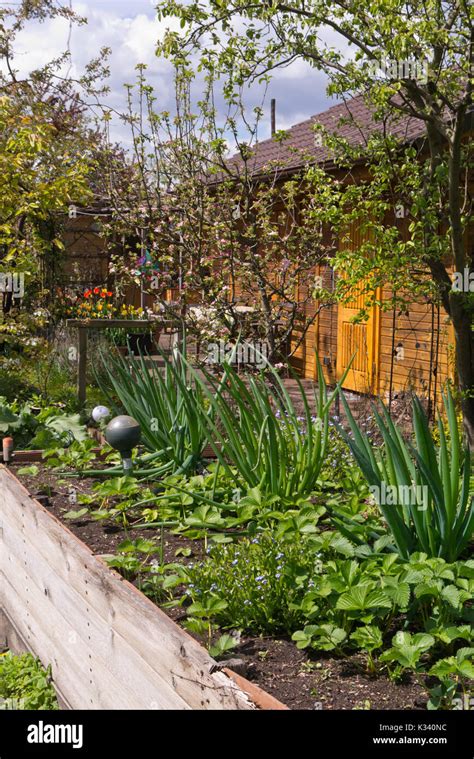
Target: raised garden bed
pixel 294 677
pixel 108 645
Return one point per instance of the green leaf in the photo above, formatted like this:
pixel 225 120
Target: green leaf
pixel 76 514
pixel 368 637
pixel 31 470
pixel 327 637
pixel 363 597
pixel 223 645
pixel 407 649
pixel 67 423
pixel 303 638
pixel 399 594
pixel 451 594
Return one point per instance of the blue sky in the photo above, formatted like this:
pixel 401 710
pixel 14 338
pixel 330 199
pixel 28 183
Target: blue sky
pixel 131 30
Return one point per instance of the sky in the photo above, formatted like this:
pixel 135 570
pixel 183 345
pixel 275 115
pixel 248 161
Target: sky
pixel 131 30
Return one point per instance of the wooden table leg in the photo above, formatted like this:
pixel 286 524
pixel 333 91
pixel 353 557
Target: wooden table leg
pixel 82 365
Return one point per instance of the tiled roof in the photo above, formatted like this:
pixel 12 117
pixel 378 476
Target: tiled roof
pixel 300 145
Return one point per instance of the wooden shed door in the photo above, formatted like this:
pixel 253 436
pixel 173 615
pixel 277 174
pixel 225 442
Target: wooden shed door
pixel 360 340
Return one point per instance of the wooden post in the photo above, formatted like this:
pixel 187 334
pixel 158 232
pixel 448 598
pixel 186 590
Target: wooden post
pixel 82 365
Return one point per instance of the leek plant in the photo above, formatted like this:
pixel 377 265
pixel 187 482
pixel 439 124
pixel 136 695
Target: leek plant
pixel 167 404
pixel 434 508
pixel 258 436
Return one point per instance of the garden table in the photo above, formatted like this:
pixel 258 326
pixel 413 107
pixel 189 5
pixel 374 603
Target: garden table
pixel 84 325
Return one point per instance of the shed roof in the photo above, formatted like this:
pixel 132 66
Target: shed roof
pixel 352 120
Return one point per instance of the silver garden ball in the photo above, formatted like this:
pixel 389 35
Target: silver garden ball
pixel 99 413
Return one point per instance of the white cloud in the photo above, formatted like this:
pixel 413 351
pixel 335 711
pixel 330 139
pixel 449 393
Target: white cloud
pixel 131 30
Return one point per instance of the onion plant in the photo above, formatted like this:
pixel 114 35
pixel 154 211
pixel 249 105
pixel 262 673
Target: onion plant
pixel 433 507
pixel 167 404
pixel 258 436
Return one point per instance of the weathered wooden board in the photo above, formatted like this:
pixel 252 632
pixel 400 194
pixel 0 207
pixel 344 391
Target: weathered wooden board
pixel 109 646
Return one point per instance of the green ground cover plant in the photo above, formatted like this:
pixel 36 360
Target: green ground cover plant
pixel 35 424
pixel 25 684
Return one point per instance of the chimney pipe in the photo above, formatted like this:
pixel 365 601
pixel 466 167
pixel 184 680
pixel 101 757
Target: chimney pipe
pixel 273 116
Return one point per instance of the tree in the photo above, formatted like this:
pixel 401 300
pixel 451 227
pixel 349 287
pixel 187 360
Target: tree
pixel 414 59
pixel 234 250
pixel 48 159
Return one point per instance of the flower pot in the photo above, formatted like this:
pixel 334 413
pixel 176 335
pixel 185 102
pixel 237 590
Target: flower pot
pixel 140 343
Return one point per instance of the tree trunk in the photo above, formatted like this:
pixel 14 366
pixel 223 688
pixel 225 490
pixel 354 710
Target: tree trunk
pixel 462 318
pixel 457 304
pixel 460 307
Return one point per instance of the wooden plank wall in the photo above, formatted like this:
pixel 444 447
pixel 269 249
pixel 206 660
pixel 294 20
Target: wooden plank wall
pixel 321 335
pixel 109 646
pixel 425 336
pixel 416 331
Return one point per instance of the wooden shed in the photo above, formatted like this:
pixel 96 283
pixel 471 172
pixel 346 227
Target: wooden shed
pixel 409 350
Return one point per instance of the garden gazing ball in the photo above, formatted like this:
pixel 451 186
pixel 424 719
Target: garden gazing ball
pixel 100 412
pixel 123 433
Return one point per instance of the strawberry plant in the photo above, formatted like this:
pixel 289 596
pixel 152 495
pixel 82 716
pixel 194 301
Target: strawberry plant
pixel 406 652
pixel 369 639
pixel 326 637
